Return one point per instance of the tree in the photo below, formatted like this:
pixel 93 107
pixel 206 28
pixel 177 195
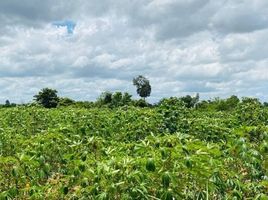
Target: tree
pixel 7 104
pixel 47 97
pixel 126 98
pixel 232 101
pixel 113 100
pixel 65 101
pixel 189 101
pixel 143 86
pixel 117 99
pixel 104 99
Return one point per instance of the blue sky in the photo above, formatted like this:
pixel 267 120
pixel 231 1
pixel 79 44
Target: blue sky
pixel 68 24
pixel 82 48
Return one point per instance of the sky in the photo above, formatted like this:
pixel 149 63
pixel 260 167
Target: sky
pixel 84 47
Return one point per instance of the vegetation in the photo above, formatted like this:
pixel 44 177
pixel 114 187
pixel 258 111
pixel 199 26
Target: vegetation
pixel 189 101
pixel 47 97
pixel 120 148
pixel 166 151
pixel 143 86
pixel 112 100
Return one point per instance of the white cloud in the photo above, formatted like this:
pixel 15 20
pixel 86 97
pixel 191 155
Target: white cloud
pixel 216 48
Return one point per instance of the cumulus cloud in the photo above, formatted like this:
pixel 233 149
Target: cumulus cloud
pixel 81 48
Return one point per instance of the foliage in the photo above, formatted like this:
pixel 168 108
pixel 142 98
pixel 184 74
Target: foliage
pixel 119 99
pixel 113 100
pixel 189 101
pixel 141 103
pixel 251 112
pixel 143 86
pixel 173 113
pixel 218 104
pixel 164 152
pixel 47 97
pixel 65 101
pixel 105 98
pixel 84 104
pixel 7 104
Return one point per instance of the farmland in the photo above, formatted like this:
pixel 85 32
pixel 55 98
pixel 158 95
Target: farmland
pixel 163 152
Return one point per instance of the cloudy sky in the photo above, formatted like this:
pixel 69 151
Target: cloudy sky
pixel 85 47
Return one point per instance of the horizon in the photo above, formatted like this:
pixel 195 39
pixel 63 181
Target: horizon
pixel 135 97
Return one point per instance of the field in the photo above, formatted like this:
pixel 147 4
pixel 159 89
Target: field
pixel 164 152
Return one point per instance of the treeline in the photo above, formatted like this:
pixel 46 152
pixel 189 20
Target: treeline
pixel 49 98
pixel 8 104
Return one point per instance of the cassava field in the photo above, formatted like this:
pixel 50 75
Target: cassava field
pixel 163 152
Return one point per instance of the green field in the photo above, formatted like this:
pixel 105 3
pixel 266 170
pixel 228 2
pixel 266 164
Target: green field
pixel 163 152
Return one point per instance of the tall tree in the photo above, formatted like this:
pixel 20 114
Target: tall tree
pixel 7 104
pixel 143 86
pixel 47 97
